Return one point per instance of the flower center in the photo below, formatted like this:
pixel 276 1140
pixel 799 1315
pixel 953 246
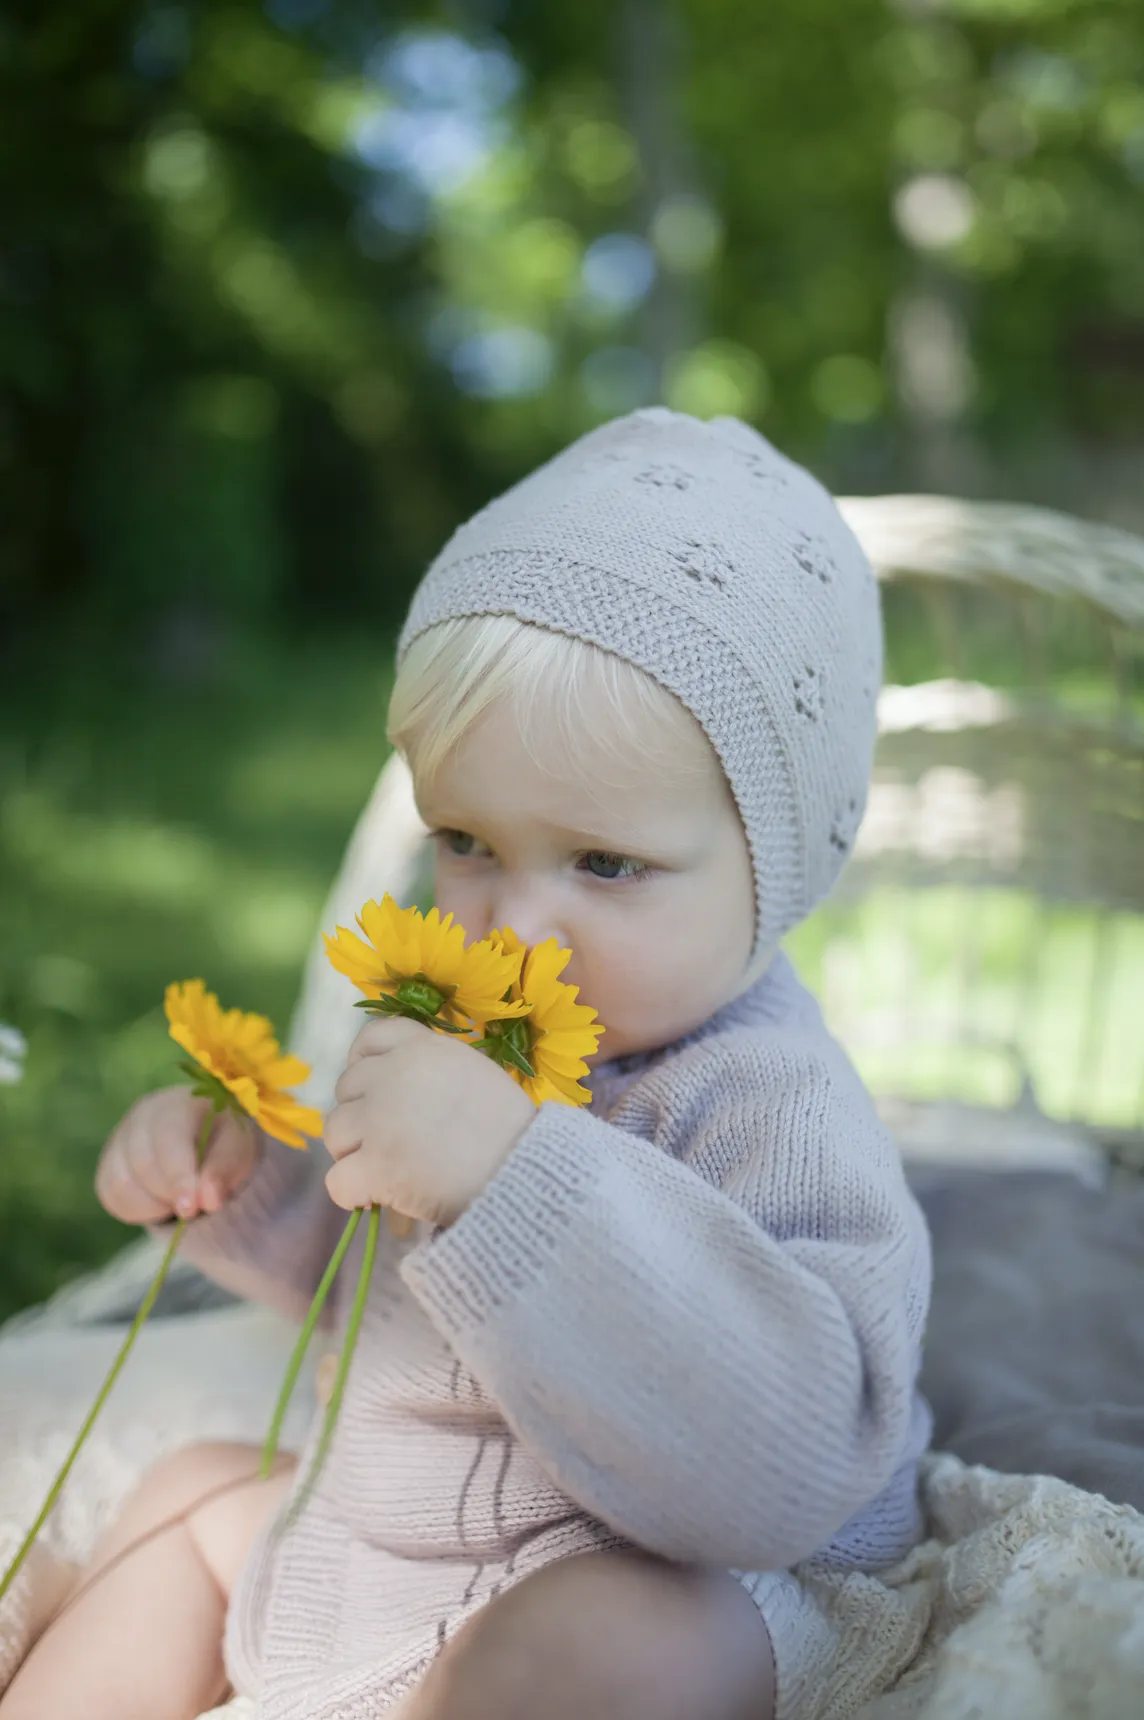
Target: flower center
pixel 509 1043
pixel 421 993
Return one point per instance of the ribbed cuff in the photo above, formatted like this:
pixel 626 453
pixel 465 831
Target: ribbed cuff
pixel 513 1232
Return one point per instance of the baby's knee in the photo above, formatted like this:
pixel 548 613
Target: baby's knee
pixel 195 1473
pixel 615 1633
pixel 212 1488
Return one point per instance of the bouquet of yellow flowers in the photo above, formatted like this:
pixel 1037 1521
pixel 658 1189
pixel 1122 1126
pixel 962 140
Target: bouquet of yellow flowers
pixel 507 1002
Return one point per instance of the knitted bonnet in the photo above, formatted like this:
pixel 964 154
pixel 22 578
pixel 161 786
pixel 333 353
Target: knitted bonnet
pixel 724 571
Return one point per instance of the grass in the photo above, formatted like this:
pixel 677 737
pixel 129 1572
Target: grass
pixel 154 828
pixel 970 993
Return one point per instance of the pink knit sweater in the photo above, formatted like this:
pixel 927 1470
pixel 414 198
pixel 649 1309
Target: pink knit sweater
pixel 688 1320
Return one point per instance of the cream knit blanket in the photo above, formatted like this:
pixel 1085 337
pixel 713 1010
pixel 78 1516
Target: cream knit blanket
pixel 1027 1602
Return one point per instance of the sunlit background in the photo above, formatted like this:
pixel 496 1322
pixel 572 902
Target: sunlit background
pixel 287 291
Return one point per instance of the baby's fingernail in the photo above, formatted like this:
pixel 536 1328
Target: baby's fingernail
pixel 184 1204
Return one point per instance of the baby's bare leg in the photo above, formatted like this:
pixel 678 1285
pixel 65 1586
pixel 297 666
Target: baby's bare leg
pixel 139 1637
pixel 618 1636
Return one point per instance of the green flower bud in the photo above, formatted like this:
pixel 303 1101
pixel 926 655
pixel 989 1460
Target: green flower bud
pixel 420 995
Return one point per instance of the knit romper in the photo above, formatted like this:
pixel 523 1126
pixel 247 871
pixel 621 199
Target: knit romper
pixel 687 1321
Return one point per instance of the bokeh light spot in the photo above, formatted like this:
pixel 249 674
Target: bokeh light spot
pixel 602 158
pixel 847 388
pixel 687 233
pixel 501 363
pixel 719 378
pixel 934 210
pixel 618 270
pixel 177 164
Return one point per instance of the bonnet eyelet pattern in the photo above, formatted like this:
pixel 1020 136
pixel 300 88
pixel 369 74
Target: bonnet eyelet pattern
pixel 701 554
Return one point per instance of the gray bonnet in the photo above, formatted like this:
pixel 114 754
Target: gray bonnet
pixel 723 570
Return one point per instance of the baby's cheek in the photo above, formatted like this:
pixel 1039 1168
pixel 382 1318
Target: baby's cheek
pixel 466 905
pixel 667 987
pixel 637 998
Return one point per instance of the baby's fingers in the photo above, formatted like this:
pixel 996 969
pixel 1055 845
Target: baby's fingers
pixel 129 1197
pixel 162 1153
pixel 158 1153
pixel 229 1159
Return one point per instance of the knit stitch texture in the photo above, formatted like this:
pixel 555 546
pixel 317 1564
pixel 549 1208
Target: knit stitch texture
pixel 689 1320
pixel 702 555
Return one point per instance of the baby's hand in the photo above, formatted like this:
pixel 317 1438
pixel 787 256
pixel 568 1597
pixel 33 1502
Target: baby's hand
pixel 422 1122
pixel 147 1172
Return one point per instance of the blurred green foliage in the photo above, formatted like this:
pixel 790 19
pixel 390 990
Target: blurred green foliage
pixel 286 291
pixel 156 828
pixel 153 830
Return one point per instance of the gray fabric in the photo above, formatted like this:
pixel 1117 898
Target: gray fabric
pixel 188 1291
pixel 1034 1352
pixel 692 1325
pixel 1033 1360
pixel 113 1293
pixel 712 562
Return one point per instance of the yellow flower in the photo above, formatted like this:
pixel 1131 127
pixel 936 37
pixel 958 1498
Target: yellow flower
pixel 556 1035
pixel 239 1052
pixel 418 965
pixel 237 1066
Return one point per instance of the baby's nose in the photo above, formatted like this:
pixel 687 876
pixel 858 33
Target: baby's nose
pixel 531 935
pixel 529 919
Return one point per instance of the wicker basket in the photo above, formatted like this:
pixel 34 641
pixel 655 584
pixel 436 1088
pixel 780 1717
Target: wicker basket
pixel 983 956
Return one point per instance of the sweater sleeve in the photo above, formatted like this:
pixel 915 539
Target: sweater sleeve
pixel 716 1353
pixel 273 1239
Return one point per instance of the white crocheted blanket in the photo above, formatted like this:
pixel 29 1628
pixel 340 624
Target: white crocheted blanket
pixel 1026 1603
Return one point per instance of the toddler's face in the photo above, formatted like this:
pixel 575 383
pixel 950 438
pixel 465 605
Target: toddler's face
pixel 644 873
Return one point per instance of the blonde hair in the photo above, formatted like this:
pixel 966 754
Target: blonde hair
pixel 454 671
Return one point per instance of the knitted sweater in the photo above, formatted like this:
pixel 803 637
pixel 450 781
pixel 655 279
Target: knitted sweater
pixel 689 1319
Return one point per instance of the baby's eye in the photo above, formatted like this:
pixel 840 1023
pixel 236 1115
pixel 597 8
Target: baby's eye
pixel 458 842
pixel 602 865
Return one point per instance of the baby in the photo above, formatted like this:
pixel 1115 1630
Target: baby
pixel 641 1369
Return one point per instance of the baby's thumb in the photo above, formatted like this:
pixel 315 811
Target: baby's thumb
pixel 232 1153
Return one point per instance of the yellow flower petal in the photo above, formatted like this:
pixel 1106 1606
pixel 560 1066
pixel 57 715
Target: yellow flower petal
pixel 495 979
pixel 290 1122
pixel 474 980
pixel 358 961
pixel 562 1032
pixel 572 1067
pixel 239 1049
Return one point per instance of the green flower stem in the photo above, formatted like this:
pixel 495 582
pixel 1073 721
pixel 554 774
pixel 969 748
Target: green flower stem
pixel 344 1360
pixel 271 1446
pixel 116 1368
